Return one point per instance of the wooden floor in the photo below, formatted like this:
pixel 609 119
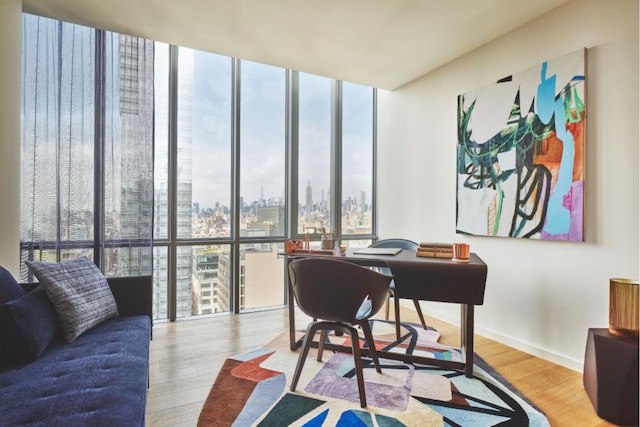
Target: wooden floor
pixel 186 356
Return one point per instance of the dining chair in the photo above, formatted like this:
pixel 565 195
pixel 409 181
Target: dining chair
pixel 407 245
pixel 340 295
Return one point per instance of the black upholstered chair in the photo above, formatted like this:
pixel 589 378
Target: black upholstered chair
pixel 403 244
pixel 340 295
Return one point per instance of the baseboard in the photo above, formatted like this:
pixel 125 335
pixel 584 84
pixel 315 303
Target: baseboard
pixel 558 359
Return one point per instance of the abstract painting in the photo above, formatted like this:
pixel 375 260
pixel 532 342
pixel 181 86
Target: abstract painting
pixel 521 154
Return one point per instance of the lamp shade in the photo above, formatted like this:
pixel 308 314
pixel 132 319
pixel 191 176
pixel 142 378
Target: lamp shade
pixel 623 307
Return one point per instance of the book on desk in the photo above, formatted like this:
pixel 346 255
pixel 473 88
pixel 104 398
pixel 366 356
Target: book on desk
pixel 435 250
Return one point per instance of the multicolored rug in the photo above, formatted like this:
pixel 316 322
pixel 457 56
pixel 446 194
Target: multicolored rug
pixel 252 389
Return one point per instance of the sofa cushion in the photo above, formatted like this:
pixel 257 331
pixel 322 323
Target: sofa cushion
pixel 9 287
pixel 9 290
pixel 79 292
pixel 100 379
pixel 29 324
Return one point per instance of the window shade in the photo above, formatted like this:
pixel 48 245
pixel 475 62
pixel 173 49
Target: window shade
pixel 87 147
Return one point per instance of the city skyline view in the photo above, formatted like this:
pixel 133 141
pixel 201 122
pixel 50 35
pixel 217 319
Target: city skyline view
pixel 262 133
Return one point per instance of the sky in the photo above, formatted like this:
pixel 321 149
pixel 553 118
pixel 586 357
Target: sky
pixel 263 131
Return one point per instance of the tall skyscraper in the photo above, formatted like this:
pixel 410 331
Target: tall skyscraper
pixel 135 142
pixel 309 199
pixel 205 282
pixel 184 199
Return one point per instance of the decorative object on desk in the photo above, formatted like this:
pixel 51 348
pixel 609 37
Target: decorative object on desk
pixel 460 252
pixel 343 250
pixel 521 154
pixel 623 307
pixel 291 246
pixel 435 250
pixel 327 241
pixel 252 389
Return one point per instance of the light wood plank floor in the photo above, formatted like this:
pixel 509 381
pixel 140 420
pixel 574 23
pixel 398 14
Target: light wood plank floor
pixel 187 355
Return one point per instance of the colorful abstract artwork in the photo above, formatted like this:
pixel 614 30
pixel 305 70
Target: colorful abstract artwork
pixel 521 154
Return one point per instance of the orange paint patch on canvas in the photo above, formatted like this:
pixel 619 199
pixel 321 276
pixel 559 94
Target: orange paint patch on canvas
pixel 548 151
pixel 577 130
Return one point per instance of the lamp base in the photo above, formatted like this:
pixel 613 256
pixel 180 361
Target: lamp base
pixel 622 332
pixel 623 308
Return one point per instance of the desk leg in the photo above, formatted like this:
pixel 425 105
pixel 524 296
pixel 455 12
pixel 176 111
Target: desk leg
pixel 466 337
pixel 292 311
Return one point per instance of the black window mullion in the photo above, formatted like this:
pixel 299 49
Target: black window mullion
pixel 374 148
pixel 293 173
pixel 292 135
pixel 236 88
pixel 99 147
pixel 172 270
pixel 336 157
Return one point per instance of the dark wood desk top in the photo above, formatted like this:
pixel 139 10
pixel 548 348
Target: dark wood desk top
pixel 429 279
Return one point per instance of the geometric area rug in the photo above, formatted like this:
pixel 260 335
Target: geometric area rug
pixel 252 389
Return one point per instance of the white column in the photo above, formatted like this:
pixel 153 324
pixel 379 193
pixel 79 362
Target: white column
pixel 10 52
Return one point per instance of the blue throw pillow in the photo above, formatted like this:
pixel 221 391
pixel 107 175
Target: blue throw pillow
pixel 79 292
pixel 9 287
pixel 29 325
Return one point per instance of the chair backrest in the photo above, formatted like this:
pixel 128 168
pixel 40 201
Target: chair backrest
pixel 332 289
pixel 395 243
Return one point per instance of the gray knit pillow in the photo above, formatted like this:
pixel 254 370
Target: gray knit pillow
pixel 79 292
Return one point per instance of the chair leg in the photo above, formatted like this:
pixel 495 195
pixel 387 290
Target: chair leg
pixel 386 307
pixel 368 337
pixel 306 343
pixel 355 345
pixel 323 337
pixel 396 306
pixel 419 310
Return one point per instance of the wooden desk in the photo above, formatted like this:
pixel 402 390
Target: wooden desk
pixel 428 279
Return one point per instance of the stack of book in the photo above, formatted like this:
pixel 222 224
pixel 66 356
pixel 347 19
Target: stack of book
pixel 435 250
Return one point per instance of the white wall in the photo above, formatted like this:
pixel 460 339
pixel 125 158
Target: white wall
pixel 10 52
pixel 541 296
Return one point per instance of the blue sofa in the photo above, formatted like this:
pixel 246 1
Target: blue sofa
pixel 99 379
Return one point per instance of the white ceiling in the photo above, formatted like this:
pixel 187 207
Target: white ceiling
pixel 380 43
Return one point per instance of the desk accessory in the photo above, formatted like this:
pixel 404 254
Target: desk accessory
pixel 435 250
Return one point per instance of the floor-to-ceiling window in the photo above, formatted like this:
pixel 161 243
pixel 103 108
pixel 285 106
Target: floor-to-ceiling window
pixel 235 157
pixel 262 150
pixel 356 157
pixel 314 154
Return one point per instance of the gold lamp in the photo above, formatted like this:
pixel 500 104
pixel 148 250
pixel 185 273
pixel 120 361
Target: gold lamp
pixel 623 307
